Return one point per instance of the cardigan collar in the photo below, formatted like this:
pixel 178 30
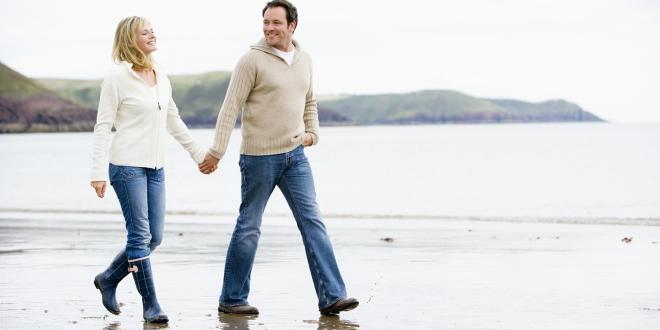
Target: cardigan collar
pixel 129 67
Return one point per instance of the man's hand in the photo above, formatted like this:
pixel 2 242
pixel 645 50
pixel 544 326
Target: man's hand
pixel 209 164
pixel 99 187
pixel 307 140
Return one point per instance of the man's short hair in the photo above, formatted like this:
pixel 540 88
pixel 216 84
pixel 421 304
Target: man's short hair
pixel 291 11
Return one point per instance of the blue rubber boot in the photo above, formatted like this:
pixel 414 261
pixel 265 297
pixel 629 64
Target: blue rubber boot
pixel 142 275
pixel 108 280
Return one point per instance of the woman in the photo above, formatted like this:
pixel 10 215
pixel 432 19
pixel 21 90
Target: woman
pixel 136 98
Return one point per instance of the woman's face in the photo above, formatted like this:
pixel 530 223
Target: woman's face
pixel 146 39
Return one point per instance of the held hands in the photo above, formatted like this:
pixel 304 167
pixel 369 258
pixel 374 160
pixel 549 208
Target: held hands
pixel 99 187
pixel 209 165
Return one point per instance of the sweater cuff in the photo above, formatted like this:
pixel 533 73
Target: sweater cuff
pixel 198 156
pixel 315 138
pixel 215 154
pixel 99 175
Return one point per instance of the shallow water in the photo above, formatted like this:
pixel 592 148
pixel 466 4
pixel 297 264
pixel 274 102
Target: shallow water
pixel 566 170
pixel 432 274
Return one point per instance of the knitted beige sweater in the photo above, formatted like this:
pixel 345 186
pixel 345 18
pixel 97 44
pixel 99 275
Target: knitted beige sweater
pixel 276 100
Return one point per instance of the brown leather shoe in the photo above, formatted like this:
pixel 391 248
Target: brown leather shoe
pixel 342 305
pixel 240 309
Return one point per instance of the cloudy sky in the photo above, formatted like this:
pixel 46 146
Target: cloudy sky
pixel 602 54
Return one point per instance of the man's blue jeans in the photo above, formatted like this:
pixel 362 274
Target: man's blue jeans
pixel 293 175
pixel 141 193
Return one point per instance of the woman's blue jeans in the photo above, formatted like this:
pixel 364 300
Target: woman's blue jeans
pixel 292 173
pixel 141 193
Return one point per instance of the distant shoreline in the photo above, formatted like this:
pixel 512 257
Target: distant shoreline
pixel 89 127
pixel 62 105
pixel 634 221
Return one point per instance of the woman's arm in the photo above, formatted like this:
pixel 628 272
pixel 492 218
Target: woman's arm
pixel 178 129
pixel 105 119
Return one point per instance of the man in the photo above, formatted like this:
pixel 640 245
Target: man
pixel 272 86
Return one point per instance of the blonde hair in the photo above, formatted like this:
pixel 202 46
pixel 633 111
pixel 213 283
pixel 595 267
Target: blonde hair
pixel 125 47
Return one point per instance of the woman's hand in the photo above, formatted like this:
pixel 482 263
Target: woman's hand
pixel 99 186
pixel 209 165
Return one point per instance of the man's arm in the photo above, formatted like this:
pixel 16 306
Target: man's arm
pixel 311 114
pixel 240 85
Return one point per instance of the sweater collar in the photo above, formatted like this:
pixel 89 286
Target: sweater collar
pixel 261 45
pixel 129 67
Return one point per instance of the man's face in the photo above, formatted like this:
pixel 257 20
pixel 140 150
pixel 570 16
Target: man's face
pixel 277 32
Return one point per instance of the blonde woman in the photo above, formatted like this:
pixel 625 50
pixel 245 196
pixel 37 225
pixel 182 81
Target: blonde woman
pixel 136 98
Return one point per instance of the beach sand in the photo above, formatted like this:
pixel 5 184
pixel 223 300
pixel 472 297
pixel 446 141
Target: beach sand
pixel 407 274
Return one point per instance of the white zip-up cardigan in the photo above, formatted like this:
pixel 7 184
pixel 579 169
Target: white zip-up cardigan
pixel 141 120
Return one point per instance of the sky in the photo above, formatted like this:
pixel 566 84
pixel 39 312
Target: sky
pixel 603 55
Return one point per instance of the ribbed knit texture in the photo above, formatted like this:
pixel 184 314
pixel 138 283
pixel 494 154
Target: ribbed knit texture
pixel 128 104
pixel 276 100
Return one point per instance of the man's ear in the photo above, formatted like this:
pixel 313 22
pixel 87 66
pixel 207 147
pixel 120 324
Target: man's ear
pixel 295 24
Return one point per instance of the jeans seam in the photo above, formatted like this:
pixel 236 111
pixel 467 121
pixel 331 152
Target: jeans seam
pixel 305 237
pixel 228 272
pixel 129 208
pixel 153 179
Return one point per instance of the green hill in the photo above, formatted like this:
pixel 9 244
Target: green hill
pixel 83 92
pixel 552 110
pixel 199 98
pixel 17 86
pixel 445 106
pixel 195 95
pixel 25 106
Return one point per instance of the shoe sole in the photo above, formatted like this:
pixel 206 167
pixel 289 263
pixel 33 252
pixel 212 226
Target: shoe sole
pixel 346 308
pixel 350 306
pixel 96 284
pixel 158 320
pixel 228 311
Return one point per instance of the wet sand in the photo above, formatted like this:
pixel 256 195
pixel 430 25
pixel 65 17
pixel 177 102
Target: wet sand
pixel 431 274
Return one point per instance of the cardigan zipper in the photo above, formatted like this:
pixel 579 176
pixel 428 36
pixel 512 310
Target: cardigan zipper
pixel 158 115
pixel 158 123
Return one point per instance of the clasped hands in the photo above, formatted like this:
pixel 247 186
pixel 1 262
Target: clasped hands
pixel 210 163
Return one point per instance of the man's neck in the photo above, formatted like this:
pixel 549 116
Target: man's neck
pixel 289 47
